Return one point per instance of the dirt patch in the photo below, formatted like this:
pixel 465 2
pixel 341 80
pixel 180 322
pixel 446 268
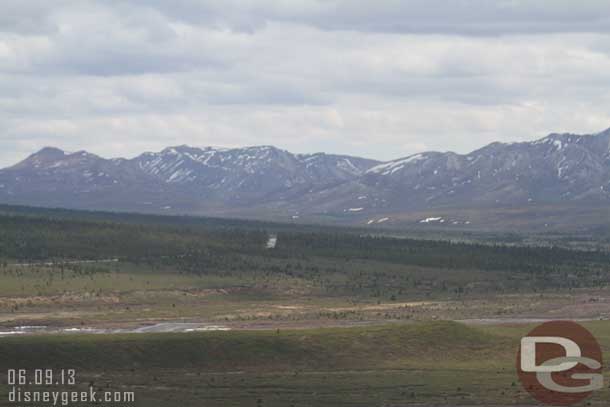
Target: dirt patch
pixel 383 307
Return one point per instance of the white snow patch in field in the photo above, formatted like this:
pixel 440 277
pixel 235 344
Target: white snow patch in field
pixel 432 219
pixel 7 333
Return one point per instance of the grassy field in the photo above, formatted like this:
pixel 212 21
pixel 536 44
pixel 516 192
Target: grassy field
pixel 426 363
pixel 128 294
pixel 439 362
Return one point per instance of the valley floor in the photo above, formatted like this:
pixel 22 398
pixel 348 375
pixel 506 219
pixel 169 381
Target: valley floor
pixel 263 349
pixel 182 310
pixel 417 364
pixel 192 312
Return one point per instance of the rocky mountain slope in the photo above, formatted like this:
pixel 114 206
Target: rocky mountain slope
pixel 178 179
pixel 564 170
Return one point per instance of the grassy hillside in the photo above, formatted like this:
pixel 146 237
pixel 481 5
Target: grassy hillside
pixel 347 348
pixel 423 362
pixel 432 363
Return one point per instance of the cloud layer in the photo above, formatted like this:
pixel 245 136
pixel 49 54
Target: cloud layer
pixel 374 78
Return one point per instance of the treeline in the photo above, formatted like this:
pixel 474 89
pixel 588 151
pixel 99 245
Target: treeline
pixel 440 254
pixel 333 261
pixel 37 236
pixel 30 238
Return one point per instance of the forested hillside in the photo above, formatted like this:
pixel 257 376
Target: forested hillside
pixel 336 261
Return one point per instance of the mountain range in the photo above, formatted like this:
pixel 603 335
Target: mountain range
pixel 556 180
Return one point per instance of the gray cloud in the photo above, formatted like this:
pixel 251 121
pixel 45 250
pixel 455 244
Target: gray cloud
pixel 379 79
pixel 469 17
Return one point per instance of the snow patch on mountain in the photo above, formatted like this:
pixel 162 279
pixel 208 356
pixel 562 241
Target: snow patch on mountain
pixel 393 166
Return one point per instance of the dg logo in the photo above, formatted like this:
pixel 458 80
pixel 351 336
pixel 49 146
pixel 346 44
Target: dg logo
pixel 560 363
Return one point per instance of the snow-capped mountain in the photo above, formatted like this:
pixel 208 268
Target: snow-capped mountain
pixel 178 179
pixel 264 181
pixel 557 168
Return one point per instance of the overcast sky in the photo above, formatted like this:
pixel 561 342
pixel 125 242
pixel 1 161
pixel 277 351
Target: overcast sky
pixel 381 79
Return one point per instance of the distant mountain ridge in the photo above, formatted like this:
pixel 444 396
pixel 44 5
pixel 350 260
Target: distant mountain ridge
pixel 267 182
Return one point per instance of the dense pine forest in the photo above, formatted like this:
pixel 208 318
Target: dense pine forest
pixel 333 261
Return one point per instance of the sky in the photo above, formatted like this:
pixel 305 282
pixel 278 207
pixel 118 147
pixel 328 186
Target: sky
pixel 375 78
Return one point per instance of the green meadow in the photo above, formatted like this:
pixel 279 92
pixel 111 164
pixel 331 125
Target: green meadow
pixel 424 363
